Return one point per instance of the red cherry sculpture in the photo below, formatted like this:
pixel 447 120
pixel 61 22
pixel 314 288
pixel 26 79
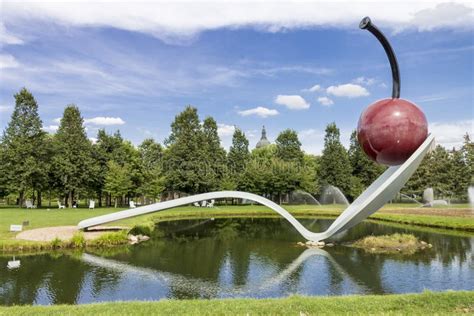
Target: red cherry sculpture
pixel 390 130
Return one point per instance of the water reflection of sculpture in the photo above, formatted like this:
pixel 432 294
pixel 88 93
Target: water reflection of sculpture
pixel 209 289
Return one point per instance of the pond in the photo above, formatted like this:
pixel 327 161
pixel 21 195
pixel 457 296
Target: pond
pixel 240 257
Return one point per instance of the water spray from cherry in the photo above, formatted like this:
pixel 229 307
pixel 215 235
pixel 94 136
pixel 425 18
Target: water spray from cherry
pixel 390 130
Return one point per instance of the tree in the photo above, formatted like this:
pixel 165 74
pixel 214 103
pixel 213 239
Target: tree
pixel 184 163
pixel 24 153
pixel 468 152
pixel 100 158
pixel 72 162
pixel 131 157
pixel 418 182
pixel 335 168
pixel 151 154
pixel 286 177
pixel 364 170
pixel 237 159
pixel 238 153
pixel 214 154
pixel 440 165
pixel 117 181
pixel 52 183
pixel 460 174
pixel 311 169
pixel 115 148
pixel 256 176
pixel 194 161
pixel 267 175
pixel 289 147
pixel 153 184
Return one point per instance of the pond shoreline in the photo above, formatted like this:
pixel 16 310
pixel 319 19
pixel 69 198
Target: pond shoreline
pixel 8 244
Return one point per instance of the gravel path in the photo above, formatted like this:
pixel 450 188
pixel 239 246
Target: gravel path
pixel 61 232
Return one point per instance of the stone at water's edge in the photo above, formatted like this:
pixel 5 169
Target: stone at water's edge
pixel 142 238
pixel 309 243
pixel 132 238
pixel 137 239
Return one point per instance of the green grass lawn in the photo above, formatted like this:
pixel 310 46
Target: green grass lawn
pixel 55 217
pixel 444 222
pixel 427 303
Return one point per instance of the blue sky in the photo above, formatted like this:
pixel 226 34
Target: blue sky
pixel 298 66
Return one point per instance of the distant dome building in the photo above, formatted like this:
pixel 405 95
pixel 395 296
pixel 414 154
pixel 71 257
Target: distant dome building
pixel 263 140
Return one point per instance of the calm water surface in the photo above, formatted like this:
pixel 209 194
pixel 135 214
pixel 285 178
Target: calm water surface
pixel 237 258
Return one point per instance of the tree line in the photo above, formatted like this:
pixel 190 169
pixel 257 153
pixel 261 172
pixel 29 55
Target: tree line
pixel 67 166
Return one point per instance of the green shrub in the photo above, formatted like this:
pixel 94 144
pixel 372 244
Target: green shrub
pixel 78 240
pixel 108 239
pixel 404 243
pixel 56 243
pixel 141 230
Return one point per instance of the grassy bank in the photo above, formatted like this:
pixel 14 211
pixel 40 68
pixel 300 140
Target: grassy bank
pixel 444 222
pixel 76 242
pixel 427 303
pixel 392 213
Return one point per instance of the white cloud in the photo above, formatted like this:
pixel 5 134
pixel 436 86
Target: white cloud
pixel 348 90
pixel 272 71
pixel 93 140
pixel 5 108
pixel 325 101
pixel 8 61
pixel 314 88
pixel 117 73
pixel 57 120
pixel 8 39
pixel 51 128
pixel 312 140
pixel 450 134
pixel 181 20
pixel 101 120
pixel 293 102
pixel 448 14
pixel 365 81
pixel 253 134
pixel 225 130
pixel 259 111
pixel 438 51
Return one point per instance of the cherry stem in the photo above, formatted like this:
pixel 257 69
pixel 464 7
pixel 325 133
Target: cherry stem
pixel 366 24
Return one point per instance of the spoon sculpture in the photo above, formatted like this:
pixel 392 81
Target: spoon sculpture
pixel 391 131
